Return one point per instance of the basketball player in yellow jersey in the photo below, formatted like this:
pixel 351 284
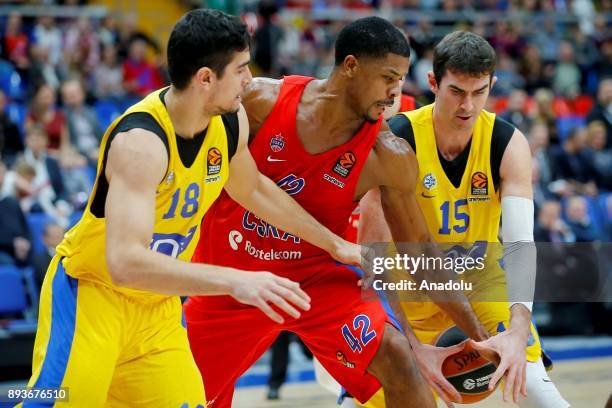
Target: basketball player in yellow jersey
pixel 473 169
pixel 110 327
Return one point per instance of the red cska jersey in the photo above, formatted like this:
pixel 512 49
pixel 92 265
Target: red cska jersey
pixel 324 184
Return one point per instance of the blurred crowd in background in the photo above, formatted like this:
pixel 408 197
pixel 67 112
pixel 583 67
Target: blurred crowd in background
pixel 64 79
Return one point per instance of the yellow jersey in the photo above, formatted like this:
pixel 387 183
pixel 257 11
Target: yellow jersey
pixel 470 212
pixel 463 216
pixel 182 198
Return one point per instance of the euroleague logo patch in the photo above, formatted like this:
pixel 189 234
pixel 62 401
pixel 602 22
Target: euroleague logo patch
pixel 480 183
pixel 277 143
pixel 469 384
pixel 214 160
pixel 345 164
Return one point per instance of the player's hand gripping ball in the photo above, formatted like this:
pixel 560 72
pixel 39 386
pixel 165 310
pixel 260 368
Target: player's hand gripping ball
pixel 468 371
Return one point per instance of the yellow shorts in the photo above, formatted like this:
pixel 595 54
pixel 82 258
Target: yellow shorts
pixel 495 317
pixel 110 350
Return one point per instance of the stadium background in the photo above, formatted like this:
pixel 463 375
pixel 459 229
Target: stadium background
pixel 67 68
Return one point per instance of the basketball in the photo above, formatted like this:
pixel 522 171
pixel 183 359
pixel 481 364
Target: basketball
pixel 467 370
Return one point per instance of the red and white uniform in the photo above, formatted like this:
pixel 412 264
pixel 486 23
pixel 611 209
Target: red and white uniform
pixel 342 330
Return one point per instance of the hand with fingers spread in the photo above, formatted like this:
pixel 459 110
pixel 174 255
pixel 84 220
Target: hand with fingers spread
pixel 507 350
pixel 429 359
pixel 263 289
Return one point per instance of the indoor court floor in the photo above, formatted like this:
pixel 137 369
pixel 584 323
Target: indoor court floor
pixel 582 374
pixel 585 383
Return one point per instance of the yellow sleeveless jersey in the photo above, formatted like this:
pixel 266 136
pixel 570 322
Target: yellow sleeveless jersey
pixel 182 199
pixel 468 215
pixel 470 212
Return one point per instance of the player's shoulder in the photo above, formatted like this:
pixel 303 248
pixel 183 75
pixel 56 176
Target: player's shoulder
pixel 137 154
pixel 389 144
pixel 262 90
pixel 505 135
pixel 391 151
pixel 392 161
pixel 518 144
pixel 502 129
pixel 259 99
pixel 143 141
pixel 515 158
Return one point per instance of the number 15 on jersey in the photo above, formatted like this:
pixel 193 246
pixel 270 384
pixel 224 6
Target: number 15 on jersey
pixel 458 213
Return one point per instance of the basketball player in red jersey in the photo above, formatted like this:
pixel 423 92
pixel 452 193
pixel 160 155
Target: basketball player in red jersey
pixel 325 144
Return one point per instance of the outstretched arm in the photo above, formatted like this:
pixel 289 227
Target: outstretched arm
pixel 137 162
pixel 520 260
pixel 260 195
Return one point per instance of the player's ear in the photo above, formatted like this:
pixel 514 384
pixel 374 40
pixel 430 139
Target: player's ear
pixel 431 80
pixel 350 65
pixel 493 81
pixel 204 77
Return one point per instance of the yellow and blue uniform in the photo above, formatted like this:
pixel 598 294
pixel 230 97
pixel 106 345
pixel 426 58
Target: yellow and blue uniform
pixel 114 346
pixel 461 203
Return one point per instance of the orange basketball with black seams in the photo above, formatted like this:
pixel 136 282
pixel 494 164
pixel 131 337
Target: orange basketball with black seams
pixel 479 180
pixel 468 371
pixel 214 156
pixel 348 160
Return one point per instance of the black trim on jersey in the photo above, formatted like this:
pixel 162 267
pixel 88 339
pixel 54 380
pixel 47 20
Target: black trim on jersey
pixel 232 128
pixel 188 148
pixel 401 127
pixel 136 120
pixel 502 133
pixel 455 168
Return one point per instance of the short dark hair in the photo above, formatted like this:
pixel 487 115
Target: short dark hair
pixel 465 53
pixel 204 38
pixel 372 37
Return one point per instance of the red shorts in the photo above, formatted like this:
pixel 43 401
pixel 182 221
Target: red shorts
pixel 342 331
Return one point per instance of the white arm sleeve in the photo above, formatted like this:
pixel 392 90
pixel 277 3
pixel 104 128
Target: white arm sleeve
pixel 520 256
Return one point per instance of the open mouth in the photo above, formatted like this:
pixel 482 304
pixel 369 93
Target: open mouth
pixel 464 118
